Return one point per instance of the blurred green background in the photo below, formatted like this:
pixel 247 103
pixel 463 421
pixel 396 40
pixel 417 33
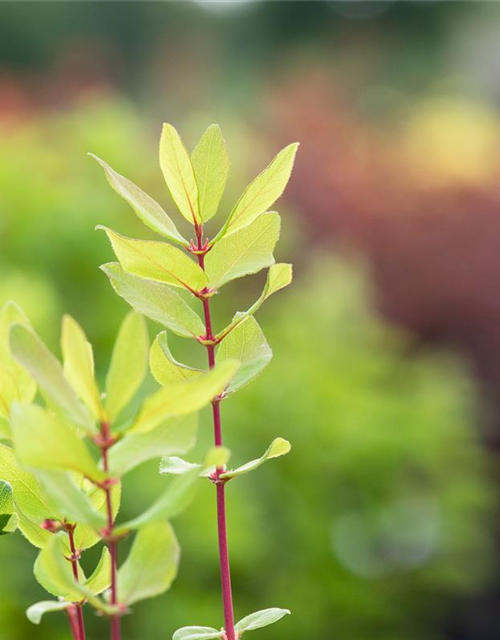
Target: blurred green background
pixel 383 521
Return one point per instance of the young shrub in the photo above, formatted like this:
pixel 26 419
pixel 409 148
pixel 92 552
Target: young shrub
pixel 64 460
pixel 151 275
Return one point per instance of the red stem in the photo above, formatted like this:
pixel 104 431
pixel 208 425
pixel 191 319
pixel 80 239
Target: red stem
pixel 74 566
pixel 115 620
pixel 225 569
pixel 73 621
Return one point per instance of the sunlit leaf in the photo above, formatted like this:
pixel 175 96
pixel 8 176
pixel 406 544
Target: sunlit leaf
pixel 46 369
pixel 216 458
pixel 279 447
pixel 43 441
pixel 247 344
pixel 278 277
pixel 147 209
pixel 8 518
pixel 247 251
pixel 30 527
pixel 157 261
pixel 100 579
pixel 151 565
pixel 198 633
pixel 156 301
pixel 86 536
pixel 176 497
pixel 175 435
pixel 210 163
pixel 178 173
pixel 129 364
pixel 261 194
pixel 165 367
pixel 78 361
pixel 37 610
pixel 260 619
pixel 181 398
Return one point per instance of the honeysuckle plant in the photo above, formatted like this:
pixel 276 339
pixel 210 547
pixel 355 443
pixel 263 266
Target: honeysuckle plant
pixel 173 282
pixel 62 461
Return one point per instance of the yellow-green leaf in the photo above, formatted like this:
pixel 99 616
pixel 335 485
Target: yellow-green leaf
pixel 151 565
pixel 100 579
pixel 129 364
pixel 261 194
pixel 78 361
pixel 157 261
pixel 8 518
pixel 210 163
pixel 178 173
pixel 184 397
pixel 165 367
pixel 147 209
pixel 279 447
pixel 43 441
pixel 37 610
pixel 247 251
pixel 156 301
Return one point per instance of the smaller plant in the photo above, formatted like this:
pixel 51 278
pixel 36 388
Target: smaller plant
pixel 63 462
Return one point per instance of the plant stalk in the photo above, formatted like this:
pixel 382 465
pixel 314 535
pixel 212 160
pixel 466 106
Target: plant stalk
pixel 220 485
pixel 73 621
pixel 115 620
pixel 74 566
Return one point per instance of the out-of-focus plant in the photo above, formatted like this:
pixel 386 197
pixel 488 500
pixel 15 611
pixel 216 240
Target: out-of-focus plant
pixel 149 273
pixel 63 466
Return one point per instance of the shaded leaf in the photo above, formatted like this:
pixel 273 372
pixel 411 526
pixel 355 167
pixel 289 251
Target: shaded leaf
pixel 247 251
pixel 164 366
pixel 260 619
pixel 46 369
pixel 279 447
pixel 78 360
pixel 156 301
pixel 151 565
pixel 175 435
pixel 157 261
pixel 278 277
pixel 198 633
pixel 178 173
pixel 247 344
pixel 37 610
pixel 181 398
pixel 147 209
pixel 210 163
pixel 129 363
pixel 43 441
pixel 261 194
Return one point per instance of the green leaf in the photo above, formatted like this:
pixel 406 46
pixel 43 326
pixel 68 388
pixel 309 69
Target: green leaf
pixel 210 163
pixel 147 209
pixel 173 501
pixel 8 519
pixel 247 251
pixel 198 633
pixel 68 500
pixel 78 360
pixel 260 619
pixel 151 565
pixel 216 458
pixel 279 447
pixel 29 494
pixel 261 193
pixel 178 173
pixel 164 366
pixel 43 441
pixel 248 344
pixel 32 530
pixel 174 435
pixel 278 277
pixel 129 364
pixel 181 398
pixel 32 353
pixel 37 610
pixel 86 536
pixel 157 261
pixel 156 301
pixel 100 580
pixel 175 466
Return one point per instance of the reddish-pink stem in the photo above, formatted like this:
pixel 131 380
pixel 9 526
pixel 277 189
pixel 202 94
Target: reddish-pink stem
pixel 74 566
pixel 73 621
pixel 225 569
pixel 115 620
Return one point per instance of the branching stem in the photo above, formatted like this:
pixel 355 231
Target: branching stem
pixel 225 570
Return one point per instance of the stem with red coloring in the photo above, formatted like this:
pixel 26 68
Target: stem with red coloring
pixel 74 565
